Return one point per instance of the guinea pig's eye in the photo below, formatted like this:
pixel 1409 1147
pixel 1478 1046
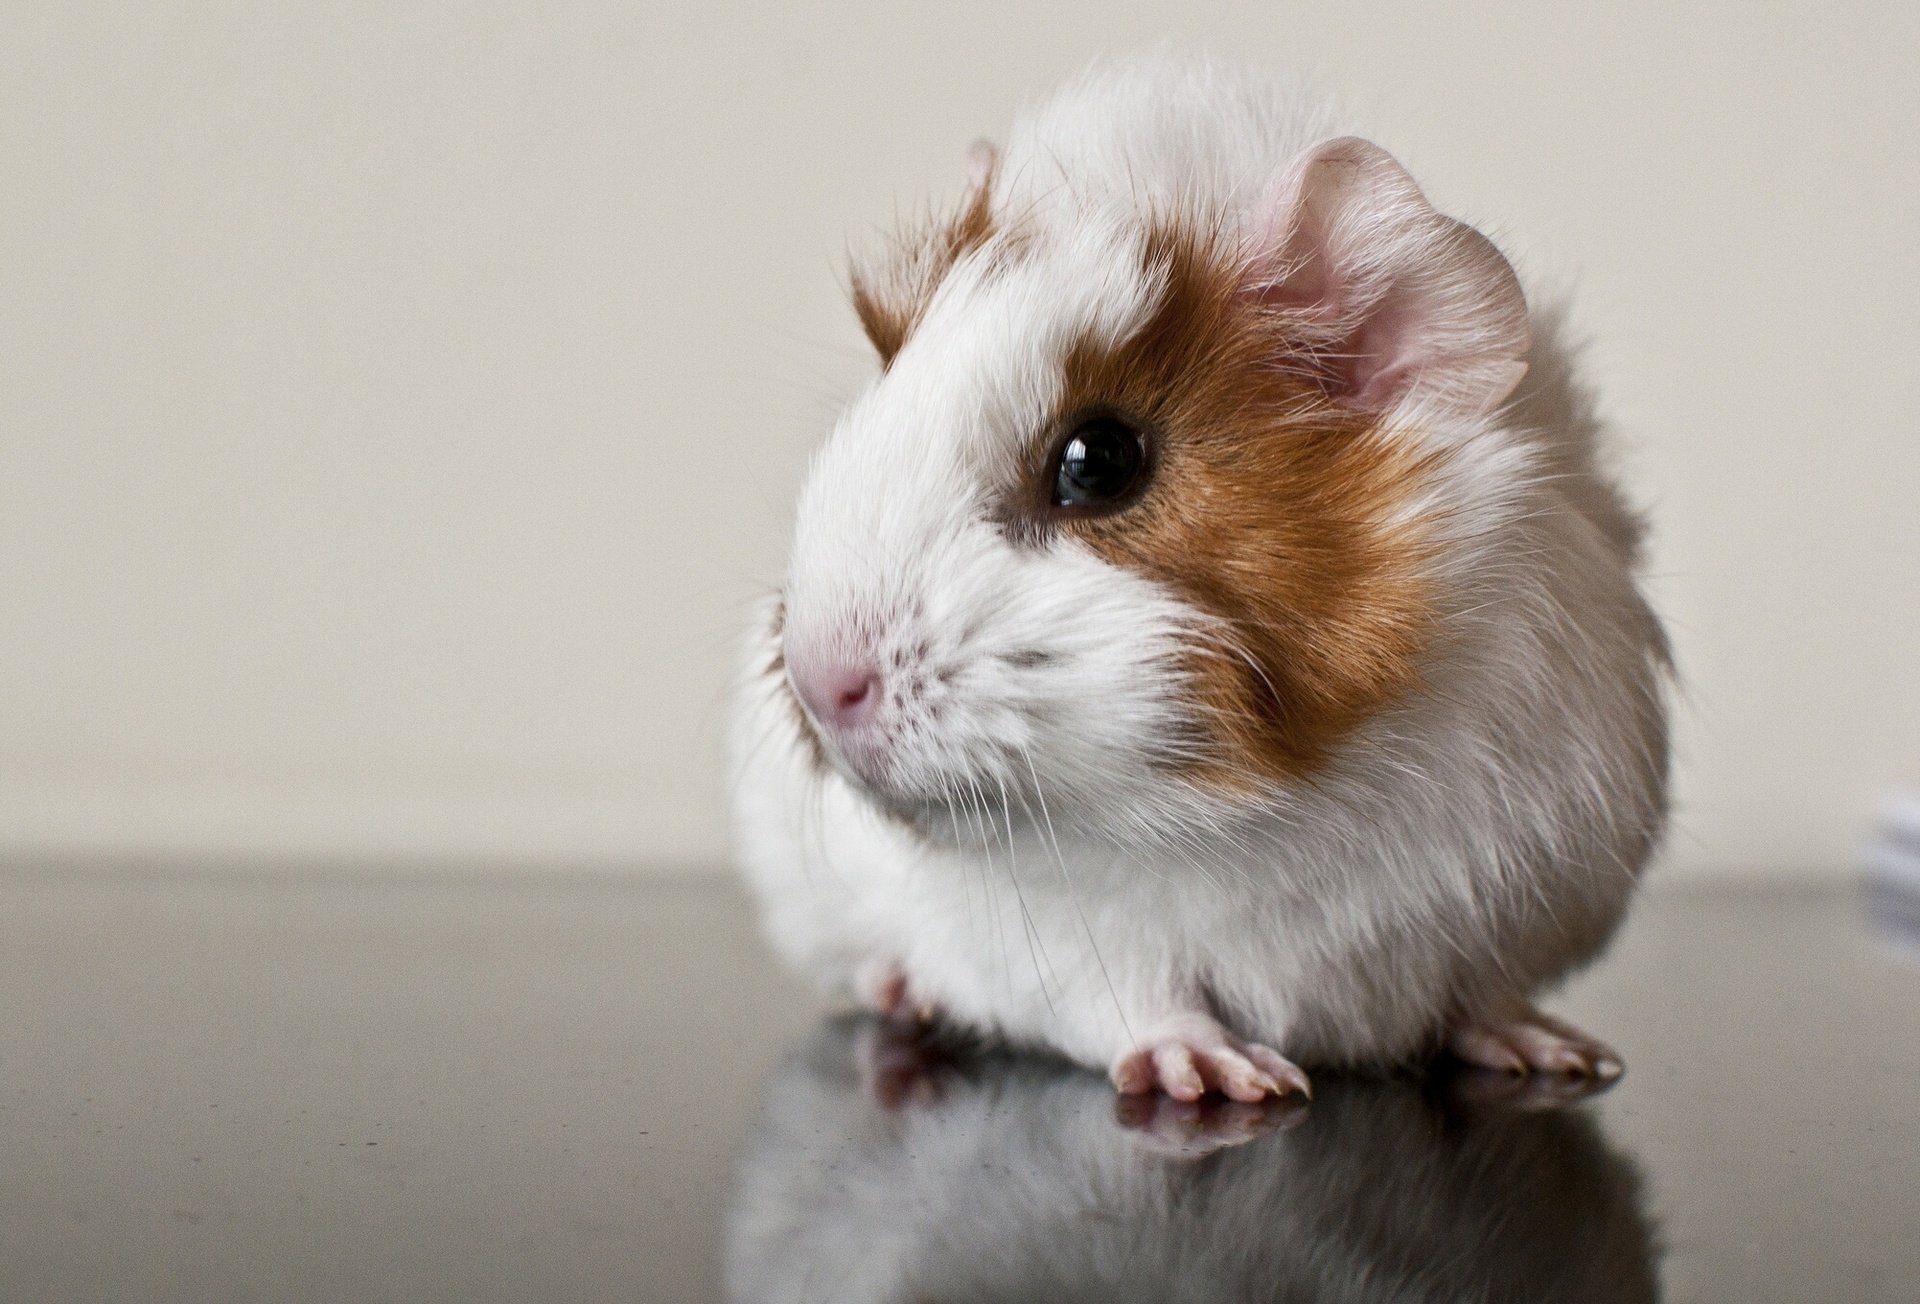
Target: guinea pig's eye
pixel 1100 463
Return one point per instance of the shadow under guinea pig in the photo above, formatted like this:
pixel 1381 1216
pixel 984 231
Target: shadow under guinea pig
pixel 888 1168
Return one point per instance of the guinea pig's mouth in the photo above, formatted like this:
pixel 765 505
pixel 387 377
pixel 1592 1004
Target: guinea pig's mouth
pixel 829 756
pixel 956 810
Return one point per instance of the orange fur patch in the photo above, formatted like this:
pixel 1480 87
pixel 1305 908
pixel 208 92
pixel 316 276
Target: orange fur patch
pixel 891 296
pixel 1269 506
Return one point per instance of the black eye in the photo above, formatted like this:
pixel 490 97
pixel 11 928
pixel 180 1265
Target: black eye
pixel 1099 464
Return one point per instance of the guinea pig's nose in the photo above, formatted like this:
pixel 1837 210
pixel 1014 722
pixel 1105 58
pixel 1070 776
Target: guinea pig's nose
pixel 842 696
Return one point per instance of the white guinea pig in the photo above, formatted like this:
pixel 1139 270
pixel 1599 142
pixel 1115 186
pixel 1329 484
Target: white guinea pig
pixel 1209 645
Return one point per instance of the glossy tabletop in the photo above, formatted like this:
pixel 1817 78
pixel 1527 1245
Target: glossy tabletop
pixel 247 1084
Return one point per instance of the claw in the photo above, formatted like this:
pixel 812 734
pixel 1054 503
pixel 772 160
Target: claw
pixel 1193 1055
pixel 1525 1041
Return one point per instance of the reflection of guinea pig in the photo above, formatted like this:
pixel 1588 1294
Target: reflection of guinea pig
pixel 1011 1179
pixel 1210 638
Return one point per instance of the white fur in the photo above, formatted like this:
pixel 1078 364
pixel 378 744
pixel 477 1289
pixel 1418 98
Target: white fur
pixel 1466 846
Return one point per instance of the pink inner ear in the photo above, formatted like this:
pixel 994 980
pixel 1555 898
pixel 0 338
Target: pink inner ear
pixel 1373 368
pixel 1388 298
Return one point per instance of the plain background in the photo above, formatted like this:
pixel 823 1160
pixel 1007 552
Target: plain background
pixel 400 403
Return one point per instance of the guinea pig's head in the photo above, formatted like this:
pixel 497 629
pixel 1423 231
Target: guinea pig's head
pixel 1135 515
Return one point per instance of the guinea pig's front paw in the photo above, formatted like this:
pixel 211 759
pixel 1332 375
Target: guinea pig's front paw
pixel 881 985
pixel 1523 1041
pixel 1191 1054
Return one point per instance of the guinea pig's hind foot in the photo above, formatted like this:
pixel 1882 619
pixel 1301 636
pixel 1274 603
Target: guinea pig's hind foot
pixel 1524 1041
pixel 1191 1054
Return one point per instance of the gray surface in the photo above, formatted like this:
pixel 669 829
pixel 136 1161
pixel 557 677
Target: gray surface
pixel 252 1087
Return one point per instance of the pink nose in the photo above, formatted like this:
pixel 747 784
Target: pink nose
pixel 844 698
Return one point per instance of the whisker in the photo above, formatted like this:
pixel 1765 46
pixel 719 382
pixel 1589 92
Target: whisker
pixel 1073 895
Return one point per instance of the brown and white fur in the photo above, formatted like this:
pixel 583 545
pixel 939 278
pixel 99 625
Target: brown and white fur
pixel 1334 742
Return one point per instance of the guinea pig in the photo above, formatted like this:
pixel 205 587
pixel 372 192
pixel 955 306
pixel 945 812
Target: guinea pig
pixel 1211 644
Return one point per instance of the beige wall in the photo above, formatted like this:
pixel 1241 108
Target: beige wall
pixel 396 408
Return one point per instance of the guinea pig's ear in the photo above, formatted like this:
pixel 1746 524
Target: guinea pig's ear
pixel 983 159
pixel 891 291
pixel 1391 300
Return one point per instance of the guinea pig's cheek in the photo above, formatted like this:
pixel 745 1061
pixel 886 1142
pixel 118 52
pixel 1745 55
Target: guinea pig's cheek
pixel 1312 607
pixel 1292 527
